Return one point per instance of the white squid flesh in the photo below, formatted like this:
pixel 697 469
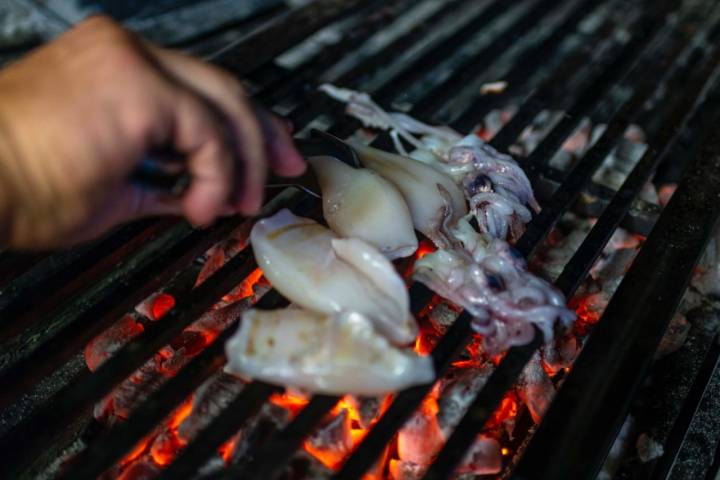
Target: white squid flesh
pixel 433 198
pixel 314 268
pixel 331 354
pixel 359 203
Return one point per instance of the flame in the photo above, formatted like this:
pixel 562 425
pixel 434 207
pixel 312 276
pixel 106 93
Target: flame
pixel 162 304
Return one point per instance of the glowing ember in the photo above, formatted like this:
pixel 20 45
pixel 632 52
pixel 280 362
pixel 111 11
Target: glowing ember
pixel 289 401
pixel 507 411
pixel 162 304
pixel 227 448
pixel 245 289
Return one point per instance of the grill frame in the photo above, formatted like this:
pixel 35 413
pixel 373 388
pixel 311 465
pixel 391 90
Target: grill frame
pixel 184 245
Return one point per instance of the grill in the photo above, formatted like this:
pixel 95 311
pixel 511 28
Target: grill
pixel 617 62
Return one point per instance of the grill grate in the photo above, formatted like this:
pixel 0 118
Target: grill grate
pixel 607 71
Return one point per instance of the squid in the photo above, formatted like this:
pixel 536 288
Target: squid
pixel 499 192
pixel 320 271
pixel 332 354
pixel 506 301
pixel 359 203
pixel 434 200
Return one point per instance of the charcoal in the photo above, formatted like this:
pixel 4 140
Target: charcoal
pixel 402 470
pixel 368 409
pixel 210 399
pixel 561 353
pixel 110 341
pixel 535 388
pixel 421 437
pixel 442 316
pixel 674 336
pixel 130 393
pixel 457 391
pixel 214 322
pixel 483 458
pixel 141 469
pixel 304 466
pixel 334 435
pixel 648 448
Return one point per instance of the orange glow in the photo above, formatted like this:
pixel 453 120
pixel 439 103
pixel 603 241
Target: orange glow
pixel 165 448
pixel 226 449
pixel 135 452
pixel 180 414
pixel 288 401
pixel 424 343
pixel 424 248
pixel 162 304
pixel 245 289
pixel 588 312
pixel 504 450
pixel 508 409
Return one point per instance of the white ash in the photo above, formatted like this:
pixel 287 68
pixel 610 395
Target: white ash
pixel 457 391
pixel 648 448
pixel 622 159
pixel 442 316
pixel 421 437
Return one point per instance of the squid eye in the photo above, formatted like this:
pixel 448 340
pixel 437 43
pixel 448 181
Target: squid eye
pixel 495 282
pixel 480 183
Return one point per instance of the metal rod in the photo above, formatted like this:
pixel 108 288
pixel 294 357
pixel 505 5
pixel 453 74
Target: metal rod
pixel 622 344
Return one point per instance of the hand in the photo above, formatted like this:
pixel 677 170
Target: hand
pixel 77 116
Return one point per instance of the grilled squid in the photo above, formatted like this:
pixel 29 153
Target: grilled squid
pixel 498 190
pixel 314 268
pixel 331 354
pixel 505 300
pixel 359 203
pixel 433 198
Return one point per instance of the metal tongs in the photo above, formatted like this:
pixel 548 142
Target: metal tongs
pixel 165 171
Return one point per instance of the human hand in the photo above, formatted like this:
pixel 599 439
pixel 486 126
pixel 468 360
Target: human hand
pixel 78 115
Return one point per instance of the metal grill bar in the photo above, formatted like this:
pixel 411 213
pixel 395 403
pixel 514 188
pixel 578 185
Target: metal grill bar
pixel 671 447
pixel 302 425
pixel 272 92
pixel 528 62
pixel 649 295
pixel 532 18
pixel 284 32
pixel 163 263
pixel 479 412
pixel 376 441
pixel 539 228
pixel 101 454
pixel 318 102
pixel 323 406
pixel 68 403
